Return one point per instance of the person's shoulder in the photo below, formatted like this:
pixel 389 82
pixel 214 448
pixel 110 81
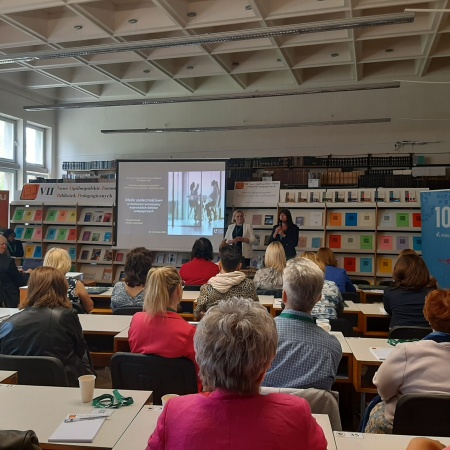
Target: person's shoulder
pixel 288 401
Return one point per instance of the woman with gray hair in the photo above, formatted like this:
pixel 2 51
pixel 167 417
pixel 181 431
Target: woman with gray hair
pixel 235 343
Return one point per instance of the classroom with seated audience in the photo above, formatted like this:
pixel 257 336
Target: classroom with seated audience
pixel 224 227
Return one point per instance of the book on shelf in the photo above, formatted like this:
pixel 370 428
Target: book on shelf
pixel 38 215
pixel 95 237
pixel 386 265
pixel 73 253
pixel 387 219
pixel 107 237
pixel 119 256
pixel 366 219
pixel 339 196
pixel 107 274
pixel 257 240
pixel 386 243
pixel 29 251
pixel 62 234
pixel 417 220
pixel 37 252
pixel 314 197
pixel 351 219
pixel 173 258
pixel 84 254
pixel 328 197
pixel 108 255
pixel 395 196
pixel 300 221
pixel 352 196
pixel 96 252
pixel 97 216
pixel 316 242
pixel 366 196
pixel 107 216
pixel 366 265
pixel 402 242
pixel 52 214
pixel 37 235
pixel 350 264
pixel 51 234
pixel 290 197
pixel 72 235
pixel 417 243
pixel 402 219
pixel 257 219
pixel 160 258
pixel 302 197
pixel 72 216
pixel 28 233
pixel 335 241
pixel 268 219
pixel 366 242
pixel 62 215
pixel 29 215
pixel 19 232
pixel 316 218
pixel 350 241
pixel 87 217
pixel 86 236
pixel 302 242
pixel 18 214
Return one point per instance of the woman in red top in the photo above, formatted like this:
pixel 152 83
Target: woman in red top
pixel 201 268
pixel 159 330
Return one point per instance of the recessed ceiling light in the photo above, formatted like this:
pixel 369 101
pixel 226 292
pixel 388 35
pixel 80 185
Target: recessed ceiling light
pixel 248 8
pixel 132 21
pixel 78 27
pixel 192 14
pixel 146 71
pixel 189 67
pixel 333 55
pixel 235 63
pixel 389 50
pixel 278 59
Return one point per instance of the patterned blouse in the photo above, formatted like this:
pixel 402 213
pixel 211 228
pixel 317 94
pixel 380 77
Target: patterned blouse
pixel 71 292
pixel 331 304
pixel 120 297
pixel 268 278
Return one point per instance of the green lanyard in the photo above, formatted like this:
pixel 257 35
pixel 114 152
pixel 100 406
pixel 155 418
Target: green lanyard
pixel 112 401
pixel 296 317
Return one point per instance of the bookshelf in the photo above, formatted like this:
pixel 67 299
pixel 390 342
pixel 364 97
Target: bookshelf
pixel 89 171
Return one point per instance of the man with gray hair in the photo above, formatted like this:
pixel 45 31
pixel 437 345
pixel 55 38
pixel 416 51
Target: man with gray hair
pixel 307 356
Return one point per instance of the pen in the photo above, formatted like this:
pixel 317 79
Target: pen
pixel 78 419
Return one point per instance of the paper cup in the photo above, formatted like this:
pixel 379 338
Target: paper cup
pixel 87 384
pixel 324 324
pixel 167 397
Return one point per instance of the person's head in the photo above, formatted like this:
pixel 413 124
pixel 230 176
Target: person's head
pixel 202 249
pixel 286 216
pixel 437 310
pixel 47 287
pixel 275 256
pixel 192 186
pixel 9 234
pixel 58 258
pixel 230 257
pixel 3 245
pixel 235 344
pixel 314 258
pixel 238 217
pixel 302 284
pixel 407 251
pixel 327 256
pixel 411 273
pixel 163 288
pixel 137 264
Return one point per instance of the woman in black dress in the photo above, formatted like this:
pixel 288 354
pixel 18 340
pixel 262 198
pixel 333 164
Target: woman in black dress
pixel 286 232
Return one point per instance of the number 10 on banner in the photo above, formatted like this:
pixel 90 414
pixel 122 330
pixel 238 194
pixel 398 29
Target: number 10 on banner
pixel 442 216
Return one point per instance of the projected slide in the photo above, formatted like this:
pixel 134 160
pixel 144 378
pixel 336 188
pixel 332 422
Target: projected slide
pixel 166 205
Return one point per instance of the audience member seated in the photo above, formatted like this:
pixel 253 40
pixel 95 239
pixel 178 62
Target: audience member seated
pixel 15 247
pixel 271 276
pixel 404 301
pixel 331 304
pixel 307 356
pixel 10 277
pixel 235 344
pixel 59 258
pixel 131 291
pixel 333 272
pixel 230 282
pixel 201 268
pixel 159 330
pixel 47 326
pixel 415 367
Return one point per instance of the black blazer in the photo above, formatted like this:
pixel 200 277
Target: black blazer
pixel 10 281
pixel 289 242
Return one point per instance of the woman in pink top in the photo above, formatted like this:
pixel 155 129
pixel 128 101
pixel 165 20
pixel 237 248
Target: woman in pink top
pixel 159 330
pixel 235 344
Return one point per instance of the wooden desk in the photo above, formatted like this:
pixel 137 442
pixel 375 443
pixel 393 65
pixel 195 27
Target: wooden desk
pixel 371 295
pixel 374 323
pixel 353 314
pixel 8 377
pixel 145 422
pixel 99 331
pixel 43 408
pixel 368 441
pixel 102 302
pixel 345 369
pixel 121 341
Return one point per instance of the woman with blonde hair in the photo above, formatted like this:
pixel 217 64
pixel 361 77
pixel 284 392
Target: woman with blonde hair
pixel 59 259
pixel 241 234
pixel 271 276
pixel 331 304
pixel 159 330
pixel 333 272
pixel 47 326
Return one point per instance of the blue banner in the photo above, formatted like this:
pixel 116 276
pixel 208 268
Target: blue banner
pixel 436 234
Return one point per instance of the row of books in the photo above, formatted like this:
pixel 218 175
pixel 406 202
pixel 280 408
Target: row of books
pixel 30 215
pixel 96 254
pixel 28 233
pixel 99 216
pixel 351 219
pixel 88 165
pixel 61 234
pixel 104 237
pixel 27 215
pixel 97 273
pixel 366 242
pixel 35 251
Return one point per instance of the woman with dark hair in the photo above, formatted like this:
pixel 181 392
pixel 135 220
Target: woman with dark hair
pixel 131 291
pixel 286 232
pixel 47 326
pixel 333 272
pixel 15 247
pixel 404 301
pixel 416 367
pixel 201 268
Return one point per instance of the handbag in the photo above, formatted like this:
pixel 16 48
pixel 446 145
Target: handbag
pixel 18 440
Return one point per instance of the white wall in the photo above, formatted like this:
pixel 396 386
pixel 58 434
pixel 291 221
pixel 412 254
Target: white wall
pixel 419 112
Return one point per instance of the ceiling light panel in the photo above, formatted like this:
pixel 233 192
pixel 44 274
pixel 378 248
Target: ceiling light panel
pixel 403 48
pixel 319 55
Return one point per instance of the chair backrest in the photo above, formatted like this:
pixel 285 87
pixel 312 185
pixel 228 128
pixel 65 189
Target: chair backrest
pixel 153 373
pixel 127 310
pixel 320 401
pixel 422 415
pixel 405 332
pixel 36 370
pixel 192 287
pixel 277 293
pixel 358 281
pixel 352 297
pixel 387 283
pixel 78 308
pixel 342 325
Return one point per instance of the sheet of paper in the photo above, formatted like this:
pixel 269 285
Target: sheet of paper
pixel 78 431
pixel 381 353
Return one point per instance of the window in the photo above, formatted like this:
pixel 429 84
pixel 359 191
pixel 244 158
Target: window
pixel 35 145
pixel 7 182
pixel 7 132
